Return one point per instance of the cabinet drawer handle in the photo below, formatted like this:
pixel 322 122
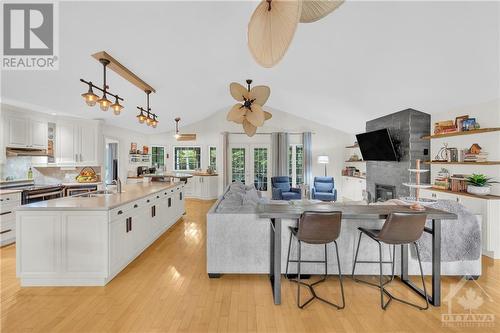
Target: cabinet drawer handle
pixel 135 206
pixel 148 200
pixel 5 213
pixel 5 231
pixel 157 197
pixel 120 212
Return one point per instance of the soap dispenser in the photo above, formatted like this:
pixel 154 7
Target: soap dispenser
pixel 30 173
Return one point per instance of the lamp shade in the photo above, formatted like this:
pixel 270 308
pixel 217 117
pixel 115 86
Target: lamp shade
pixel 323 159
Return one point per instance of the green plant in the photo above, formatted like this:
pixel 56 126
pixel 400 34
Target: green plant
pixel 480 180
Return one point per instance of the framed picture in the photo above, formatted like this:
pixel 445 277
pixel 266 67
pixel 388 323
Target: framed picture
pixel 459 121
pixel 469 124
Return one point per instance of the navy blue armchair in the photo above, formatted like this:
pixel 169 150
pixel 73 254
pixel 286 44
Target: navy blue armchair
pixel 282 189
pixel 324 189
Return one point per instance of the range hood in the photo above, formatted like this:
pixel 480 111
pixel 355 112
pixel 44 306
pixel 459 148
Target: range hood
pixel 26 152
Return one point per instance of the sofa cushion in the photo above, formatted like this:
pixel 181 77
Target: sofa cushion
pixel 323 187
pixel 251 197
pixel 284 186
pixel 324 196
pixel 290 195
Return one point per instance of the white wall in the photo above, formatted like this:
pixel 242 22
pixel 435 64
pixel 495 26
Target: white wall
pixel 325 140
pixel 487 115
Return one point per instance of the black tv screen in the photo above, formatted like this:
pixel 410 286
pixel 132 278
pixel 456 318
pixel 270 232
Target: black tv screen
pixel 377 146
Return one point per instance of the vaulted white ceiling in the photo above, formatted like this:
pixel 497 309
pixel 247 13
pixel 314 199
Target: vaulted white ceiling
pixel 364 60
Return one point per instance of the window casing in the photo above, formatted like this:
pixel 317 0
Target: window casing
pixel 187 158
pixel 158 156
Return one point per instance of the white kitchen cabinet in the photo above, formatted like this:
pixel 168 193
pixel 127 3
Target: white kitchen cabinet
pixel 352 188
pixel 24 132
pixel 78 248
pixel 65 149
pixel 202 187
pixel 489 211
pixel 77 144
pixel 8 203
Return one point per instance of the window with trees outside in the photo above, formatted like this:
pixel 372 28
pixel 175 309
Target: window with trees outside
pixel 187 158
pixel 212 157
pixel 238 165
pixel 158 156
pixel 296 164
pixel 260 168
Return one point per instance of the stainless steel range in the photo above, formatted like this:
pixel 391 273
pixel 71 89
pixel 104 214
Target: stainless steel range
pixel 38 192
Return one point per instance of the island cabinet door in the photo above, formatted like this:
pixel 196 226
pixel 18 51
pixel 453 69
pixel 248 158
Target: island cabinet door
pixel 140 223
pixel 155 218
pixel 119 238
pixel 162 213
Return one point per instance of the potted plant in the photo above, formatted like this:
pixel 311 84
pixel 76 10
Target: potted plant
pixel 479 184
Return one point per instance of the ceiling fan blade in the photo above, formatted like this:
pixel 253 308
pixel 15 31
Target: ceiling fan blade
pixel 238 92
pixel 314 10
pixel 260 94
pixel 256 115
pixel 236 114
pixel 267 115
pixel 186 137
pixel 249 128
pixel 270 32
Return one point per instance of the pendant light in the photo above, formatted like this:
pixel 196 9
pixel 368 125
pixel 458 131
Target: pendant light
pixel 145 115
pixel 92 99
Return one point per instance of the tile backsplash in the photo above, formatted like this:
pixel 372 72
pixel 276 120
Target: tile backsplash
pixel 17 168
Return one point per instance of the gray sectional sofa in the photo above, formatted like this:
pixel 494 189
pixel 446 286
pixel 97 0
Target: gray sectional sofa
pixel 238 242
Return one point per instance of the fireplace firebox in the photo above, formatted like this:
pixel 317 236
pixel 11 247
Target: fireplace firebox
pixel 384 192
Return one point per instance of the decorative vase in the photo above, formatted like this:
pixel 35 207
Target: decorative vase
pixel 479 190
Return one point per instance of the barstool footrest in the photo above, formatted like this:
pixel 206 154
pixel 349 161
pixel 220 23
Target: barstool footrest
pixel 314 295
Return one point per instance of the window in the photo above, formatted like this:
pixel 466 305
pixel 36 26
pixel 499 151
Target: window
pixel 238 165
pixel 187 158
pixel 158 156
pixel 296 164
pixel 212 157
pixel 260 168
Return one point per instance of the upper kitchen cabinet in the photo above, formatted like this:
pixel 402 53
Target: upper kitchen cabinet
pixel 24 132
pixel 77 144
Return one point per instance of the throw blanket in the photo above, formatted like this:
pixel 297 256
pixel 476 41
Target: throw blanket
pixel 460 239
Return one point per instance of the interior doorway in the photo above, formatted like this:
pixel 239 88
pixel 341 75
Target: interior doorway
pixel 251 164
pixel 111 158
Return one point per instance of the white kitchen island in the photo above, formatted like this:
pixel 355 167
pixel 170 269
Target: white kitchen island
pixel 87 241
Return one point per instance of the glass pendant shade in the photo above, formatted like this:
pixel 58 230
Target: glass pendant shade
pixel 117 107
pixel 89 97
pixel 104 103
pixel 141 117
pixel 148 121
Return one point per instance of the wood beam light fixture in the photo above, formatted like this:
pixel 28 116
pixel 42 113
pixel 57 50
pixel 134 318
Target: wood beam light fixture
pixel 92 99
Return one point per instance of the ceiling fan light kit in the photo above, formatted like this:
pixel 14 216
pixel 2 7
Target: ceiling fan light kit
pixel 184 136
pixel 249 113
pixel 273 24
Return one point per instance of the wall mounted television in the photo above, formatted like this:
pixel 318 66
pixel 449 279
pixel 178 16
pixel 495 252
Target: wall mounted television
pixel 377 146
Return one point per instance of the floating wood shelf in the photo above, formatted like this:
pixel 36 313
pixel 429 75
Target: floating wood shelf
pixel 123 71
pixel 465 194
pixel 477 131
pixel 353 146
pixel 464 163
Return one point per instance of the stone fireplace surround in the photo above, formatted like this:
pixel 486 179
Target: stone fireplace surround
pixel 406 127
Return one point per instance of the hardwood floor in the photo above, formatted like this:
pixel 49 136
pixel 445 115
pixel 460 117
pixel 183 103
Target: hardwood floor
pixel 167 289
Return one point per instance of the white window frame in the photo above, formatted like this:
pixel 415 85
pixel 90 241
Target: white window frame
pixel 186 146
pixel 164 154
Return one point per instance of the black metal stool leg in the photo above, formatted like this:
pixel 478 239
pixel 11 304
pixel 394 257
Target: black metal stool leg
pixel 356 256
pixel 422 276
pixel 288 255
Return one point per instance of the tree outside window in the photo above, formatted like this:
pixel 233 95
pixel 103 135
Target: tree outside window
pixel 212 157
pixel 158 156
pixel 296 164
pixel 187 158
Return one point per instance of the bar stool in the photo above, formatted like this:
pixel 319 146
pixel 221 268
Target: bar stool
pixel 398 229
pixel 319 228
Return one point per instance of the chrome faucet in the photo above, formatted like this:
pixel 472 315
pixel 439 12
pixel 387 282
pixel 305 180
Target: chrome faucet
pixel 116 182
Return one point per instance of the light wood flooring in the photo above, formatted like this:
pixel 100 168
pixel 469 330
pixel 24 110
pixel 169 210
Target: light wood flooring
pixel 166 289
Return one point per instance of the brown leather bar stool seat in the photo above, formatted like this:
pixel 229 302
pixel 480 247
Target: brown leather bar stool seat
pixel 398 229
pixel 319 228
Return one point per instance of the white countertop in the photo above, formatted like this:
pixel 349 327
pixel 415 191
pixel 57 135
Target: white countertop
pixel 130 192
pixel 80 184
pixel 9 191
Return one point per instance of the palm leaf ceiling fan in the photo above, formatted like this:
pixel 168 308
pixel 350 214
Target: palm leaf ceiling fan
pixel 183 137
pixel 249 113
pixel 273 24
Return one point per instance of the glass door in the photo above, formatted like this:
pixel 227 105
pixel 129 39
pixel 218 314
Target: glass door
pixel 250 164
